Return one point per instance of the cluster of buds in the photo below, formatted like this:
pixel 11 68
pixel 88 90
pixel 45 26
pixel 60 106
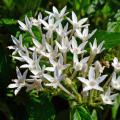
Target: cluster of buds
pixel 68 66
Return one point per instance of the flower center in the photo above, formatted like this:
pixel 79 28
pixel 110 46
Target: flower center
pixel 92 83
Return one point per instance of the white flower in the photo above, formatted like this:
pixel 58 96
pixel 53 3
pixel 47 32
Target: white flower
pixel 84 36
pixel 54 81
pixel 107 98
pixel 116 64
pixel 50 26
pixel 39 47
pixel 77 24
pixel 98 67
pixel 115 82
pixel 58 15
pixel 36 22
pixel 82 65
pixel 62 32
pixel 92 82
pixel 27 26
pixel 18 45
pixel 51 52
pixel 75 48
pixel 32 64
pixel 64 46
pixel 20 82
pixel 59 64
pixel 96 49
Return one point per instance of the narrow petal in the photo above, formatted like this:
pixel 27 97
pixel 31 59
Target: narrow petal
pixel 87 88
pixel 101 78
pixel 19 75
pixel 74 17
pixel 12 85
pixel 75 58
pixel 83 80
pixel 91 74
pixel 55 11
pixel 49 69
pixel 62 12
pixel 48 77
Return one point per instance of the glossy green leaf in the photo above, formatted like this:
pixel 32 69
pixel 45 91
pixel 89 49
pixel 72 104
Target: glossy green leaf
pixel 115 108
pixel 111 39
pixel 80 113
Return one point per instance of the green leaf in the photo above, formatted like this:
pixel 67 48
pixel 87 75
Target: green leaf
pixel 80 113
pixel 115 108
pixel 76 115
pixel 94 115
pixel 7 21
pixel 111 39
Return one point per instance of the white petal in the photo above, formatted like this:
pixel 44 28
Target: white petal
pixel 49 69
pixel 19 75
pixel 24 66
pixel 62 12
pixel 101 78
pixel 75 58
pixel 12 86
pixel 84 60
pixel 55 10
pixel 17 90
pixel 48 77
pixel 82 21
pixel 74 17
pixel 22 25
pixel 112 97
pixel 74 42
pixel 87 88
pixel 83 80
pixel 91 74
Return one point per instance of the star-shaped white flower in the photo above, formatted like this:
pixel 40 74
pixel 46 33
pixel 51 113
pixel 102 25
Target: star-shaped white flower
pixel 116 64
pixel 54 81
pixel 64 46
pixel 107 98
pixel 50 26
pixel 115 82
pixel 18 45
pixel 77 24
pixel 80 65
pixel 20 82
pixel 92 82
pixel 58 15
pixel 39 47
pixel 96 49
pixel 59 64
pixel 25 26
pixel 62 32
pixel 85 35
pixel 51 52
pixel 36 22
pixel 75 48
pixel 32 63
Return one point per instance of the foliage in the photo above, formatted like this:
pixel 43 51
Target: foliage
pixel 103 14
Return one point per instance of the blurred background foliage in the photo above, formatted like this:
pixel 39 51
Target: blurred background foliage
pixel 103 15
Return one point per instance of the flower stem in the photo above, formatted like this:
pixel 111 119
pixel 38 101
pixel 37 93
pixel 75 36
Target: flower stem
pixel 65 57
pixel 65 90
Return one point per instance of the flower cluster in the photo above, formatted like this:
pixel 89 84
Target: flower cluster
pixel 60 61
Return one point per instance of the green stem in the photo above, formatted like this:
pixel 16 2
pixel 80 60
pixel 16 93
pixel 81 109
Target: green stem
pixel 108 81
pixel 65 90
pixel 65 57
pixel 73 75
